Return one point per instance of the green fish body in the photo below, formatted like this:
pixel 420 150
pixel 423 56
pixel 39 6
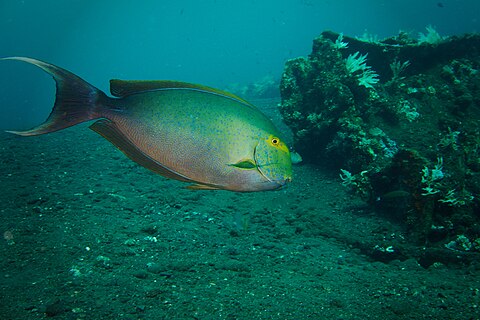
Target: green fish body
pixel 182 131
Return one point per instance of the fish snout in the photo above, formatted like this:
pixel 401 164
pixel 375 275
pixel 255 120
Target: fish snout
pixel 281 183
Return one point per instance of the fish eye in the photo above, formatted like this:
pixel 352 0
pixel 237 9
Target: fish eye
pixel 275 141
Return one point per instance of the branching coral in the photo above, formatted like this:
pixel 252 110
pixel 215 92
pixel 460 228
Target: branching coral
pixel 357 64
pixel 431 37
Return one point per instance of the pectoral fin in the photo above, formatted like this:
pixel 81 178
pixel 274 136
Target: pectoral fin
pixel 247 164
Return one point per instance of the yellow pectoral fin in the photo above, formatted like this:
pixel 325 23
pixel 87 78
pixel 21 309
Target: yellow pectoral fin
pixel 247 164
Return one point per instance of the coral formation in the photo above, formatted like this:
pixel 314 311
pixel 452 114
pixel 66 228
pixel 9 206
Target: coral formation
pixel 402 125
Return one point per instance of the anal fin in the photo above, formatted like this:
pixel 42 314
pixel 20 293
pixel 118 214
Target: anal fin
pixel 201 187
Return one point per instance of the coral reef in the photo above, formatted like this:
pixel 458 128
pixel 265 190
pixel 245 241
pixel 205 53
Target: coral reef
pixel 398 119
pixel 264 88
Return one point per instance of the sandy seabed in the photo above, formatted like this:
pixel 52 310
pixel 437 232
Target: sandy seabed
pixel 88 234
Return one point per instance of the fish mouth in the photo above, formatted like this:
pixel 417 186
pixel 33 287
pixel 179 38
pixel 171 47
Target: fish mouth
pixel 275 183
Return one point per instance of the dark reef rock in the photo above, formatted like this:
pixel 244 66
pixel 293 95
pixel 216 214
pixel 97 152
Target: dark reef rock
pixel 402 124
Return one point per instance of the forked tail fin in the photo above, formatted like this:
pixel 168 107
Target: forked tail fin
pixel 76 100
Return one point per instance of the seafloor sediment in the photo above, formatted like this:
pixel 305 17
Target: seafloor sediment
pixel 87 234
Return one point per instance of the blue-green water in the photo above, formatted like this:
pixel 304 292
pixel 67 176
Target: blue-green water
pixel 88 234
pixel 217 43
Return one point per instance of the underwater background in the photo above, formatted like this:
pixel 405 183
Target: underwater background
pixel 217 43
pixel 381 220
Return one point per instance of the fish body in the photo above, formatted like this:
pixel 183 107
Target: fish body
pixel 182 131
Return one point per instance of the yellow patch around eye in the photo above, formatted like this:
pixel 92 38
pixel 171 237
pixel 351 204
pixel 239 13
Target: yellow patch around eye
pixel 276 142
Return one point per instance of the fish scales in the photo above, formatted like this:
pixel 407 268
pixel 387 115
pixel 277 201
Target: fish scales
pixel 182 131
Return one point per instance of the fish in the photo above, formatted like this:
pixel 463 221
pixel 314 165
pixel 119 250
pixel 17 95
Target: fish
pixel 395 195
pixel 211 139
pixel 295 157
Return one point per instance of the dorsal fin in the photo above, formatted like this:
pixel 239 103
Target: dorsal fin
pixel 122 88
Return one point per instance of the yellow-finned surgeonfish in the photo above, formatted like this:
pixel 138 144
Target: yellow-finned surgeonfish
pixel 210 138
